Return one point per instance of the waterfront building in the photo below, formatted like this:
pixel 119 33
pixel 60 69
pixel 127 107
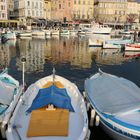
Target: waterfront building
pixel 62 10
pixel 27 10
pixel 69 10
pixel 47 9
pixel 3 10
pixel 83 9
pixel 110 11
pixel 10 9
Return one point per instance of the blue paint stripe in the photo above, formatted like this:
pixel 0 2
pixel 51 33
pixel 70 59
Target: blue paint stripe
pixel 133 127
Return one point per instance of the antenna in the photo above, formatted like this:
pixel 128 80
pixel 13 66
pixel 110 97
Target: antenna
pixel 53 75
pixel 23 60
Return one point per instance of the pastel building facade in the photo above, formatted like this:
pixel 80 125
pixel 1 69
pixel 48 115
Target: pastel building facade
pixel 111 11
pixel 3 10
pixel 83 9
pixel 10 9
pixel 47 9
pixel 28 9
pixel 62 10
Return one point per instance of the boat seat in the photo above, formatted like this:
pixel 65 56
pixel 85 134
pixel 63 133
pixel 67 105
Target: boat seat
pixel 56 83
pixel 74 130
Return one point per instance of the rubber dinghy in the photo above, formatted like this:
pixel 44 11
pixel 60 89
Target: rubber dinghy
pixel 10 92
pixel 52 110
pixel 116 102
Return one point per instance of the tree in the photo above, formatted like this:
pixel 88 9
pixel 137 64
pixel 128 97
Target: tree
pixel 132 17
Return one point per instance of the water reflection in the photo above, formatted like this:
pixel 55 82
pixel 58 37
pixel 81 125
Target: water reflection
pixel 34 52
pixel 108 56
pixel 7 52
pixel 63 50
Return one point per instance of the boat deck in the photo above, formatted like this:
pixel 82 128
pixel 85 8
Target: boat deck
pixel 75 126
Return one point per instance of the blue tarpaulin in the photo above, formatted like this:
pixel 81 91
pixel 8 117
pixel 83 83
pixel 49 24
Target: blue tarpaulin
pixel 52 95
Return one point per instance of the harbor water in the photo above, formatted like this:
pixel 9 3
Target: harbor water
pixel 72 58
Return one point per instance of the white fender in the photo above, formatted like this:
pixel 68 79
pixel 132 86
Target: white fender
pixel 92 117
pixel 97 120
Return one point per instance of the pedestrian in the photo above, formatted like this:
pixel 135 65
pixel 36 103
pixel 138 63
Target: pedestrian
pixel 138 33
pixel 135 36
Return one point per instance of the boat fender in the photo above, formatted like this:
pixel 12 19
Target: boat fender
pixel 88 135
pixel 97 120
pixel 93 113
pixel 88 106
pixel 84 94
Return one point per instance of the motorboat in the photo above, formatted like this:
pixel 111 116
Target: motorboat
pixel 8 36
pixel 117 43
pixel 64 32
pixel 10 93
pixel 25 34
pixel 95 42
pixel 116 102
pixel 38 33
pixel 108 45
pixel 52 108
pixel 132 47
pixel 95 28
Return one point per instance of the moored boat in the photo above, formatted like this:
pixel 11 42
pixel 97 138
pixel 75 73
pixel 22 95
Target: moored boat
pixel 107 45
pixel 64 32
pixel 95 43
pixel 10 93
pixel 55 32
pixel 62 107
pixel 38 33
pixel 95 28
pixel 8 36
pixel 25 34
pixel 132 47
pixel 116 102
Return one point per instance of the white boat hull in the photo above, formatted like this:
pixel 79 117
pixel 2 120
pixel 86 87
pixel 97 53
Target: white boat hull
pixel 25 34
pixel 111 46
pixel 102 30
pixel 78 120
pixel 132 47
pixel 113 134
pixel 95 43
pixel 38 33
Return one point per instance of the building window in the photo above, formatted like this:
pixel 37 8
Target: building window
pixel 3 15
pixel 74 1
pixel 59 6
pixel 32 13
pixel 37 13
pixel 28 12
pixel 79 2
pixel 69 4
pixel 32 4
pixel 36 4
pixel 40 5
pixel 28 3
pixel 84 2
